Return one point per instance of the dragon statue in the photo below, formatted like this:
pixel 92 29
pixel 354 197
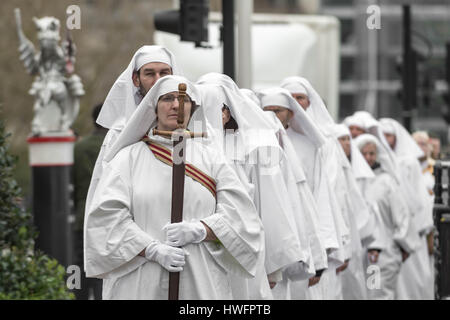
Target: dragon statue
pixel 56 89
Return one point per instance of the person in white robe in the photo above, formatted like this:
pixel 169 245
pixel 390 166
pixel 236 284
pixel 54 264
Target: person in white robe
pixel 293 172
pixel 247 144
pixel 129 240
pixel 369 231
pixel 394 166
pixel 365 216
pixel 306 96
pixel 427 164
pixel 308 149
pixel 395 240
pixel 370 125
pixel 299 190
pixel 361 170
pixel 353 124
pixel 415 275
pixel 148 64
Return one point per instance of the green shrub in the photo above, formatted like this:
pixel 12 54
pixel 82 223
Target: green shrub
pixel 31 276
pixel 25 273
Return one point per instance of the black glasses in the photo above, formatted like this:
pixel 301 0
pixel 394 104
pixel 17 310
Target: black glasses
pixel 170 98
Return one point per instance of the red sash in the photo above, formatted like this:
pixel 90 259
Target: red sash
pixel 165 155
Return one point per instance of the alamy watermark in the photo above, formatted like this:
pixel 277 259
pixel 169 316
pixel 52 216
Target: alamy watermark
pixel 374 19
pixel 373 281
pixel 73 20
pixel 74 279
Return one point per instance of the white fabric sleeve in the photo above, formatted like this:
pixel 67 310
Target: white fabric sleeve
pixel 283 245
pixel 319 253
pixel 275 276
pixel 112 238
pixel 327 227
pixel 109 139
pixel 378 239
pixel 235 223
pixel 424 219
pixel 405 233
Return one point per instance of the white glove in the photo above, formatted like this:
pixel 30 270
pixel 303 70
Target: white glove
pixel 297 271
pixel 182 233
pixel 170 258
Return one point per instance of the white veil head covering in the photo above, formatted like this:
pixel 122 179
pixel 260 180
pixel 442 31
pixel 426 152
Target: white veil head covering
pixel 300 122
pixel 340 130
pixel 122 99
pixel 219 79
pixel 155 54
pixel 317 109
pixel 226 81
pixel 365 120
pixel 144 117
pixel 382 156
pixel 361 169
pixel 255 131
pixel 387 126
pixel 407 149
pixel 405 145
pixel 362 119
pixel 393 166
pixel 294 86
pixel 353 121
pixel 251 95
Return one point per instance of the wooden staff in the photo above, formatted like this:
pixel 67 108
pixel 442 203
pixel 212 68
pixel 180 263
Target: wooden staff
pixel 178 136
pixel 181 96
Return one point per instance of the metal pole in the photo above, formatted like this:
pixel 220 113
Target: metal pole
pixel 447 80
pixel 51 160
pixel 371 102
pixel 407 70
pixel 228 37
pixel 447 64
pixel 244 61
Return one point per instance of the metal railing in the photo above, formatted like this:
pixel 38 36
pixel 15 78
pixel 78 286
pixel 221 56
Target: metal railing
pixel 441 215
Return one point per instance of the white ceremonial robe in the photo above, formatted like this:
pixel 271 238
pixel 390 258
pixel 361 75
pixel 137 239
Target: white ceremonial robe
pixel 335 160
pixel 295 284
pixel 108 141
pixel 313 167
pixel 395 223
pixel 242 288
pixel 132 204
pixel 353 278
pixel 268 191
pixel 334 234
pixel 370 231
pixel 307 213
pixel 416 274
pixel 429 182
pixel 295 276
pixel 295 287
